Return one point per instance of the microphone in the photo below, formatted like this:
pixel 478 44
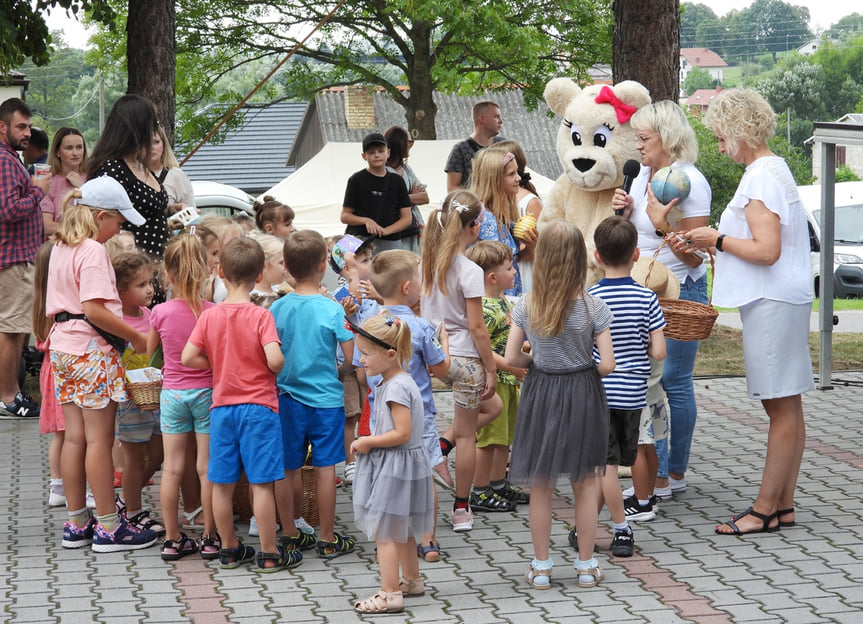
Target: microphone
pixel 631 169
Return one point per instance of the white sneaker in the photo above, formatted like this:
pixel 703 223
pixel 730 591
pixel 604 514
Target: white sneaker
pixel 350 470
pixel 662 493
pixel 304 526
pixel 253 527
pixel 462 520
pixel 91 502
pixel 56 499
pixel 677 485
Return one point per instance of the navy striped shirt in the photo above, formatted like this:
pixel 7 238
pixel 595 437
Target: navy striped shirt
pixel 637 314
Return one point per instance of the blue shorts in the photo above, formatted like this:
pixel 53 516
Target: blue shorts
pixel 184 411
pixel 134 424
pixel 323 427
pixel 245 437
pixel 431 439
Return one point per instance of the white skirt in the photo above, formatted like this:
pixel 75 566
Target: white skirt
pixel 776 349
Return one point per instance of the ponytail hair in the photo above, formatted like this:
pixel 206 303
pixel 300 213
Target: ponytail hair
pixel 385 327
pixel 185 261
pixel 41 323
pixel 271 211
pixel 460 209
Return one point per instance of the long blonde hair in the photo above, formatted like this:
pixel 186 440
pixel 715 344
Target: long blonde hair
pixel 41 323
pixel 186 262
pixel 460 209
pixel 559 274
pixel 486 183
pixel 78 222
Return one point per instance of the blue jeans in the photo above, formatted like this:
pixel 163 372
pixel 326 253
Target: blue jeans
pixel 677 381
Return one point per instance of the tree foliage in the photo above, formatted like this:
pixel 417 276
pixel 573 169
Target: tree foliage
pixel 25 33
pixel 446 45
pixel 698 78
pixel 848 26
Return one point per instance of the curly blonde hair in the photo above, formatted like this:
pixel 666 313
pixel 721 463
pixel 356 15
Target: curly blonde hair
pixel 741 115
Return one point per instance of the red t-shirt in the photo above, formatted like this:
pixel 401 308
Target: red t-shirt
pixel 232 336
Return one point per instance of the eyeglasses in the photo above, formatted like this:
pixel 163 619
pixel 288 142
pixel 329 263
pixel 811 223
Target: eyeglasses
pixel 640 139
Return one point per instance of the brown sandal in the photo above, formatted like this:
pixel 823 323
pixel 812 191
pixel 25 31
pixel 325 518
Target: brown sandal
pixel 381 602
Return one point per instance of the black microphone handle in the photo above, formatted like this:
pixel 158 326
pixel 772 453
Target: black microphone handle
pixel 626 186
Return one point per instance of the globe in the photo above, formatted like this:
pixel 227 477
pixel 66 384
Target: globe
pixel 670 183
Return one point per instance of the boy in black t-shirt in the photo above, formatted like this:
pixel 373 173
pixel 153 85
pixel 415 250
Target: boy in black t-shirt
pixel 376 200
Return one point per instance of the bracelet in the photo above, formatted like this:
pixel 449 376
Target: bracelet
pixel 718 243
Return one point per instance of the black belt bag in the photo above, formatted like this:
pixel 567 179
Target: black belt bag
pixel 118 343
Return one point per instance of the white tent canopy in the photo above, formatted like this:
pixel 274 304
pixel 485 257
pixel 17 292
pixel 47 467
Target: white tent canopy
pixel 316 190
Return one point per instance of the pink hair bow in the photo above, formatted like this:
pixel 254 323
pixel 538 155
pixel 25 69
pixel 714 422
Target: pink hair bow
pixel 624 111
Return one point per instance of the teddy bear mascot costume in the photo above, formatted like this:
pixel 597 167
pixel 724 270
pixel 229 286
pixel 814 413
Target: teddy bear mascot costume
pixel 594 141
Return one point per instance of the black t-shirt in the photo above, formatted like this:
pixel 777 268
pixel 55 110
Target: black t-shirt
pixel 378 198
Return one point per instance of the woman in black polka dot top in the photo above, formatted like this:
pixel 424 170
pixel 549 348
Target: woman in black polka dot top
pixel 122 151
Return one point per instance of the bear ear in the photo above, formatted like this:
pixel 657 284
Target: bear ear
pixel 633 93
pixel 558 93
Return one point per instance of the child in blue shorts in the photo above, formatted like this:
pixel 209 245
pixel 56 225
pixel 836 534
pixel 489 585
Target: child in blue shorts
pixel 311 398
pixel 238 340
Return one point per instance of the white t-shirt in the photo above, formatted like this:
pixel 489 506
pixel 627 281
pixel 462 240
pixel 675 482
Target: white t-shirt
pixel 464 280
pixel 696 205
pixel 738 282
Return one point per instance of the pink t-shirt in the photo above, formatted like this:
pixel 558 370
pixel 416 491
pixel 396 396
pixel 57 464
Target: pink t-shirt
pixel 464 280
pixel 76 274
pixel 140 322
pixel 232 336
pixel 174 322
pixel 52 203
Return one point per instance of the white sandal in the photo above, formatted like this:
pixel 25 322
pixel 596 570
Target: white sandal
pixel 381 602
pixel 190 516
pixel 412 587
pixel 539 577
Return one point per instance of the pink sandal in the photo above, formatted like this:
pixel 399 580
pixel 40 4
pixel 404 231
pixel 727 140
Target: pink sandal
pixel 381 602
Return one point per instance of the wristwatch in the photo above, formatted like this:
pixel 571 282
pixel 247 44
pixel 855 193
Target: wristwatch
pixel 718 244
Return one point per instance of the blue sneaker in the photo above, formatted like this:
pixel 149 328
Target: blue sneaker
pixel 78 537
pixel 124 537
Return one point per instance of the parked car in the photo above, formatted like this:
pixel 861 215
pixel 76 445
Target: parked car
pixel 221 199
pixel 848 237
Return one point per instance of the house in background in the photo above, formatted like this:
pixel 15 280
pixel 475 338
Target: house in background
pixel 848 155
pixel 704 58
pixel 700 100
pixel 347 114
pixel 810 47
pixel 16 86
pixel 252 157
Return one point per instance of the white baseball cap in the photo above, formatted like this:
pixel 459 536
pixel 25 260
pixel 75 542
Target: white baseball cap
pixel 106 193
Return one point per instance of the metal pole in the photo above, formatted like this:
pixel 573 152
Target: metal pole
pixel 828 223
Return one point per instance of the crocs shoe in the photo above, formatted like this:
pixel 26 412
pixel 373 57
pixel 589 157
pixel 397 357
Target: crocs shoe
pixel 341 546
pixel 78 537
pixel 300 541
pixel 123 537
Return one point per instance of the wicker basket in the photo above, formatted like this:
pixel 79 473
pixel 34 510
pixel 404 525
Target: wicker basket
pixel 145 394
pixel 686 320
pixel 243 500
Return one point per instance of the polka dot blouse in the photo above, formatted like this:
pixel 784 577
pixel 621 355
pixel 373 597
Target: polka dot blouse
pixel 152 237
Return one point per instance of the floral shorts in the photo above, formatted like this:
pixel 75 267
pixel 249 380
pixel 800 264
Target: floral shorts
pixel 90 381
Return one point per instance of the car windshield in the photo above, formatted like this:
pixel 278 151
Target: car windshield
pixel 849 224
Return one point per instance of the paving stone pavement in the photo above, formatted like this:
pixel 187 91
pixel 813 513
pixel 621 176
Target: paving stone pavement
pixel 682 572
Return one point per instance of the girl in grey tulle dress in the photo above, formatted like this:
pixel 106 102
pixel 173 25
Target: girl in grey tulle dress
pixel 392 491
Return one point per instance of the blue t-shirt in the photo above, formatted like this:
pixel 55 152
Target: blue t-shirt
pixel 637 314
pixel 310 328
pixel 426 351
pixel 491 230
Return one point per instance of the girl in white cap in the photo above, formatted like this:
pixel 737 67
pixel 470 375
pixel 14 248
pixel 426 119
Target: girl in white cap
pixel 81 295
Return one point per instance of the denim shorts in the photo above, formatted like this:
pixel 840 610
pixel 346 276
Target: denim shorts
pixel 185 411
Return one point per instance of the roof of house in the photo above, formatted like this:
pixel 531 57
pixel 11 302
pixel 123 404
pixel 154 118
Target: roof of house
pixel 535 130
pixel 702 57
pixel 253 156
pixel 848 118
pixel 701 97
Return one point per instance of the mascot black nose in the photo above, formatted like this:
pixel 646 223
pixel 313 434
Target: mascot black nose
pixel 583 164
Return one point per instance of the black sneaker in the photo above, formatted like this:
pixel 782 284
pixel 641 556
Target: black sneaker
pixel 490 500
pixel 514 494
pixel 623 543
pixel 20 408
pixel 635 511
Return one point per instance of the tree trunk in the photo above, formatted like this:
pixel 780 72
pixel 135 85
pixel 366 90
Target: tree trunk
pixel 646 45
pixel 151 56
pixel 420 109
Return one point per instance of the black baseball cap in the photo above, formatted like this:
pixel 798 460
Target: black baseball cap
pixel 373 138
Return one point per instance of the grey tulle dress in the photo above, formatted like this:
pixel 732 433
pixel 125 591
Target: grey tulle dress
pixel 562 423
pixel 392 489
